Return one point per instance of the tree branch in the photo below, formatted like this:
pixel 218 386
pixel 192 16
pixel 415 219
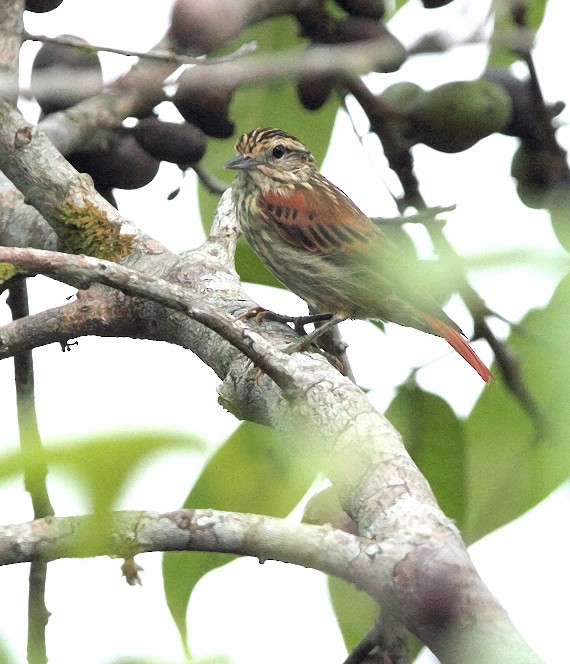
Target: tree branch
pixel 368 564
pixel 161 56
pixel 82 271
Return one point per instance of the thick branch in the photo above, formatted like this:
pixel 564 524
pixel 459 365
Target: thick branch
pixel 129 533
pixel 368 564
pixel 82 271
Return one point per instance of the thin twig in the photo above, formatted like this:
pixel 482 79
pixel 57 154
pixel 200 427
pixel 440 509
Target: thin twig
pixel 424 216
pixel 396 151
pixel 209 181
pixel 161 56
pixel 35 471
pixel 389 636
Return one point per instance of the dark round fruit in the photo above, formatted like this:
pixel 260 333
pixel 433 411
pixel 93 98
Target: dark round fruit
pixel 62 76
pixel 434 4
pixel 522 122
pixel 533 171
pixel 200 26
pixel 366 8
pixel 204 106
pixel 41 6
pixel 179 143
pixel 357 28
pixel 313 92
pixel 121 164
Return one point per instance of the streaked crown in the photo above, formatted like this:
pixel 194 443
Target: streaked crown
pixel 276 155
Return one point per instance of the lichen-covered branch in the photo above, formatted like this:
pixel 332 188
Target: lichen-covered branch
pixel 82 271
pixel 372 565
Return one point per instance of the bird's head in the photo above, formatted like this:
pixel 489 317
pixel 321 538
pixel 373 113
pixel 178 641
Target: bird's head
pixel 273 159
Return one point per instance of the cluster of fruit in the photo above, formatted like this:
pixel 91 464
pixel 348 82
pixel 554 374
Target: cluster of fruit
pixel 123 158
pixel 454 116
pixel 449 118
pixel 41 6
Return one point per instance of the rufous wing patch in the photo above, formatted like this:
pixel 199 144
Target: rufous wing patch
pixel 316 221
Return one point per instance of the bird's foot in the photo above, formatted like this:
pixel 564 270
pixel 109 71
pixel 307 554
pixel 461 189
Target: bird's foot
pixel 299 322
pixel 257 313
pixel 307 340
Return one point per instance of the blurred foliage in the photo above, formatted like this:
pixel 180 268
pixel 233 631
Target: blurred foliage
pixel 102 465
pixel 272 105
pixel 356 611
pixel 515 462
pixel 435 439
pixel 252 472
pixel 4 655
pixel 508 34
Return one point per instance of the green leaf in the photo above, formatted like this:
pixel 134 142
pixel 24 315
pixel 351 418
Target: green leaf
pixel 252 472
pixel 506 33
pixel 435 439
pixel 103 463
pixel 101 466
pixel 398 4
pixel 265 105
pixel 251 268
pixel 4 656
pixel 356 611
pixel 514 462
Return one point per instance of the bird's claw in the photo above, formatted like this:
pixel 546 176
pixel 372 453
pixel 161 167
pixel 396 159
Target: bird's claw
pixel 299 322
pixel 257 313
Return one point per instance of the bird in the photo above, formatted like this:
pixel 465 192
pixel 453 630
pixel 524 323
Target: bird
pixel 323 248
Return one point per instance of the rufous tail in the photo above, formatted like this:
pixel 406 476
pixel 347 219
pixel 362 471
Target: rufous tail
pixel 460 344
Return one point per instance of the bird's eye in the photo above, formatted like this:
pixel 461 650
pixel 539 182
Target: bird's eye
pixel 278 151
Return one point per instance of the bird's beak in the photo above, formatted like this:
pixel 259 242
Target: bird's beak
pixel 242 163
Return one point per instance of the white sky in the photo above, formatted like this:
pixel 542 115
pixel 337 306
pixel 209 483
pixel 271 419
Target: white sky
pixel 245 609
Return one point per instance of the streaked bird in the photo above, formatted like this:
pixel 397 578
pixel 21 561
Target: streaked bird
pixel 320 245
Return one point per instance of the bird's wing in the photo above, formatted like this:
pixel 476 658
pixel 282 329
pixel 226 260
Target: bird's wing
pixel 325 222
pixel 321 220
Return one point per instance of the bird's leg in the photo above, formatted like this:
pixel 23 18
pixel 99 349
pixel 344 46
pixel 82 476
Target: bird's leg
pixel 306 341
pixel 299 322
